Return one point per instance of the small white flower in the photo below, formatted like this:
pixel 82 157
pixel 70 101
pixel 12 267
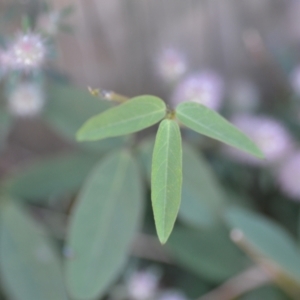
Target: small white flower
pixel 172 295
pixel 289 176
pixel 26 100
pixel 142 285
pixel 27 52
pixel 268 134
pixel 171 64
pixel 205 87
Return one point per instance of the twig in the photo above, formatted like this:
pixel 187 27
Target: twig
pixel 244 282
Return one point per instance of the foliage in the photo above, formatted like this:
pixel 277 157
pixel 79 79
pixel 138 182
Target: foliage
pixel 80 224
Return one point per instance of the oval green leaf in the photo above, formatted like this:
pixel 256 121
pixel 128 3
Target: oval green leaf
pixel 267 240
pixel 132 116
pixel 208 252
pixel 51 177
pixel 202 195
pixel 208 122
pixel 30 265
pixel 104 222
pixel 166 178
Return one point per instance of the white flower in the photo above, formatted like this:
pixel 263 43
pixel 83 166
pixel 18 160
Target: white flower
pixel 171 64
pixel 142 285
pixel 205 87
pixel 288 176
pixel 26 100
pixel 172 295
pixel 27 52
pixel 268 134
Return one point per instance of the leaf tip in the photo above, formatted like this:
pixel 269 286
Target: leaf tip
pixel 258 152
pixel 163 236
pixel 80 136
pixel 163 239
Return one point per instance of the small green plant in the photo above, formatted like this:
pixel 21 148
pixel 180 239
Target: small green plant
pixel 166 176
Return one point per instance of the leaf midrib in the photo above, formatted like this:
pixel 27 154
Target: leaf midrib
pixel 109 126
pixel 218 134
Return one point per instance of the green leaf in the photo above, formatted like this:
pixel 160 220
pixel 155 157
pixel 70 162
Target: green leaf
pixel 145 151
pixel 208 253
pixel 268 292
pixel 166 178
pixel 208 122
pixel 267 239
pixel 202 195
pixel 131 116
pixel 30 266
pixel 68 107
pixel 51 177
pixel 103 224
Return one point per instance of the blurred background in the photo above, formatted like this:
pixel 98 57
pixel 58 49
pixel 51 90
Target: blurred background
pixel 238 57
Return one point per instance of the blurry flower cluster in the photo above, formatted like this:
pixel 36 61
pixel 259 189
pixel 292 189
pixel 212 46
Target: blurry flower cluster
pixel 145 285
pixel 22 61
pixel 205 87
pixel 268 134
pixel 171 65
pixel 26 53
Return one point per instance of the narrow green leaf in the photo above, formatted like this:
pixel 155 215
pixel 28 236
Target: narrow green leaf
pixel 267 292
pixel 132 116
pixel 265 238
pixel 103 224
pixel 202 195
pixel 208 252
pixel 30 266
pixel 208 122
pixel 50 177
pixel 166 178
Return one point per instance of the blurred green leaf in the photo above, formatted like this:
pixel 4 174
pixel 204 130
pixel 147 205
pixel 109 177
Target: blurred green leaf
pixel 166 178
pixel 265 293
pixel 131 116
pixel 208 253
pixel 104 222
pixel 208 122
pixel 51 177
pixel 202 195
pixel 69 107
pixel 145 151
pixel 30 266
pixel 267 239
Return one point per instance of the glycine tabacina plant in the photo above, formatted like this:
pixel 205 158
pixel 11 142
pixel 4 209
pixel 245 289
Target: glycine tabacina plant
pixel 117 182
